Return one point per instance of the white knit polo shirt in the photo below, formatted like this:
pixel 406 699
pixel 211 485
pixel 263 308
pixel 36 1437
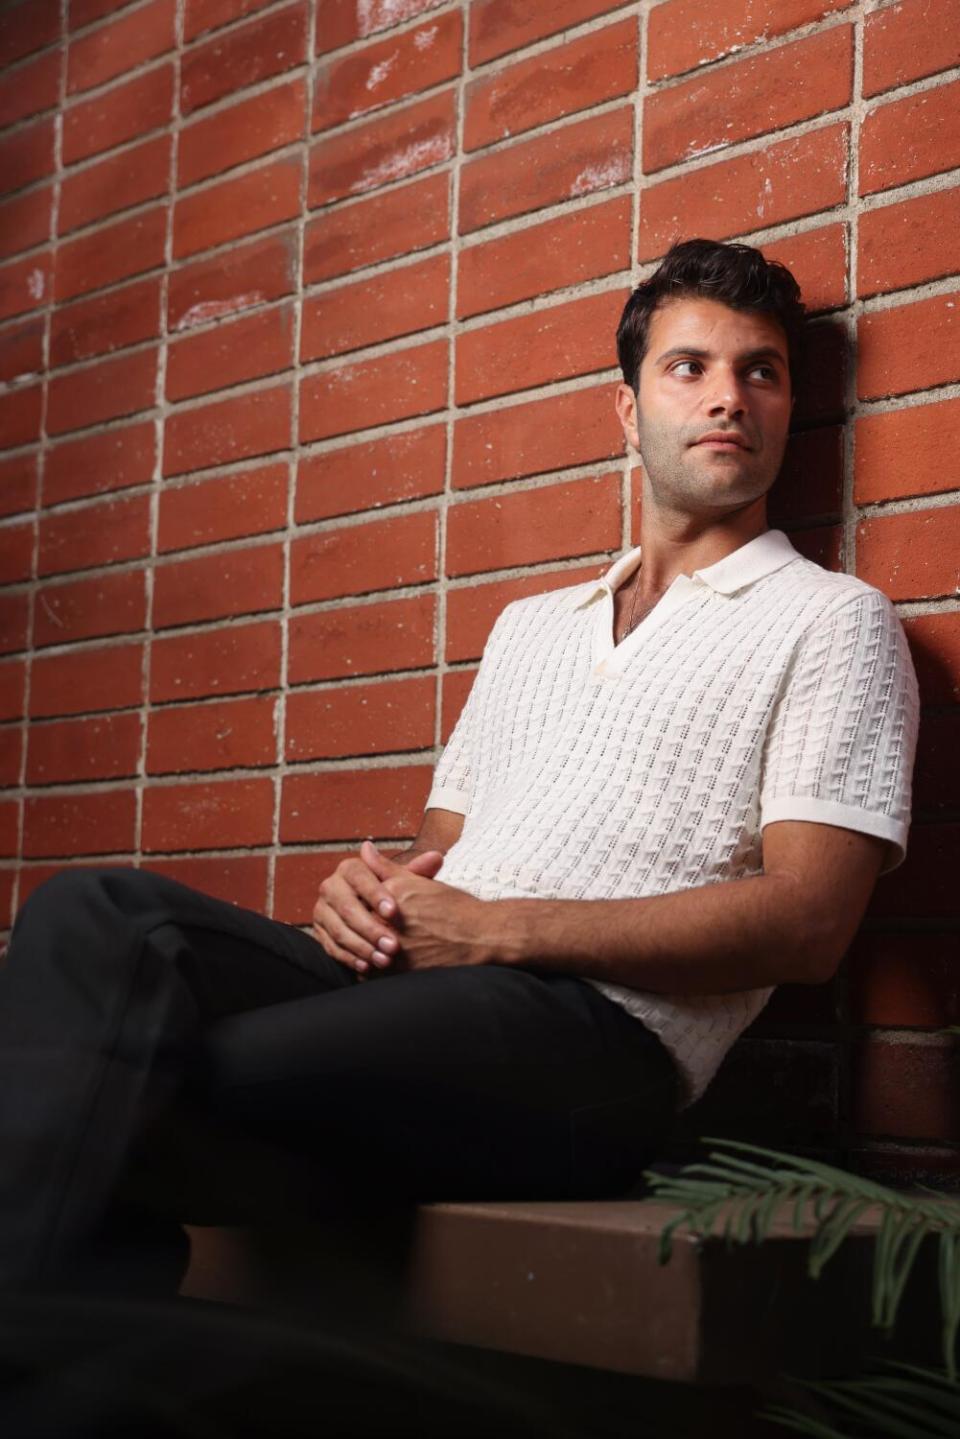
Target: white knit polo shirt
pixel 760 688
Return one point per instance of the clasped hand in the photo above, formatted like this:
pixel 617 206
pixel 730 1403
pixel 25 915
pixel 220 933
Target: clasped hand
pixel 372 913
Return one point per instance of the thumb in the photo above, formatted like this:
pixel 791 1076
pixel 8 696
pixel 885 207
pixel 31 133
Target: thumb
pixel 382 866
pixel 427 864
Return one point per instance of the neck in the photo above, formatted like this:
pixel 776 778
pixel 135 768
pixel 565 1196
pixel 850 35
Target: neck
pixel 677 544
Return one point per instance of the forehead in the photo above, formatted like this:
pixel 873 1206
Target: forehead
pixel 713 327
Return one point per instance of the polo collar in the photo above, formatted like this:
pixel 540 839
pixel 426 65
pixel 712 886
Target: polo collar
pixel 751 562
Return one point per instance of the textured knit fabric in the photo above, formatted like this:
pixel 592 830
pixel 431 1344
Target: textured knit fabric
pixel 761 688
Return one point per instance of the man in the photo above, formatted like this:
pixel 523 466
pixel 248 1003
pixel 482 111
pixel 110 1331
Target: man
pixel 668 792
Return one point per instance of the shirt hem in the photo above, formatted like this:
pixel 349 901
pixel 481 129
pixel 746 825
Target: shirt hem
pixel 845 816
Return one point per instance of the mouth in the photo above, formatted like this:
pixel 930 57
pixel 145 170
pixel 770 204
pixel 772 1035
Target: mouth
pixel 721 440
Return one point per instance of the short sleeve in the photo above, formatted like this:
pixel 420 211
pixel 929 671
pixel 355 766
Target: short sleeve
pixel 453 778
pixel 842 739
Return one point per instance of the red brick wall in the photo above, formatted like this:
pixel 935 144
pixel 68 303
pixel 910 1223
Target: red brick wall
pixel 305 370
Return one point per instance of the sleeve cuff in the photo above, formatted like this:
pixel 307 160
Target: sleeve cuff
pixel 845 816
pixel 446 797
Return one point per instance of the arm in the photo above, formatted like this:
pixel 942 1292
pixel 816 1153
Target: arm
pixel 791 924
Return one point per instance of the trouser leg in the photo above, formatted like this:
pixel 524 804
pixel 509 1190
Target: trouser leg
pixel 109 977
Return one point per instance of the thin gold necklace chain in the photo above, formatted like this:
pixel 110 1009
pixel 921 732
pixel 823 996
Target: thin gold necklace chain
pixel 633 608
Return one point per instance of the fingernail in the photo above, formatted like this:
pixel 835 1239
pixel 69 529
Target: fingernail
pixel 380 959
pixel 387 943
pixel 361 965
pixel 385 907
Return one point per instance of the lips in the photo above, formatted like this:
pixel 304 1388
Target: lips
pixel 723 437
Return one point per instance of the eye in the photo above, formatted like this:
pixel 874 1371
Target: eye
pixel 686 367
pixel 765 372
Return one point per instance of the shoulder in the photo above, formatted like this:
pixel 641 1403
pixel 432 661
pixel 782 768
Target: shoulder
pixel 819 593
pixel 535 609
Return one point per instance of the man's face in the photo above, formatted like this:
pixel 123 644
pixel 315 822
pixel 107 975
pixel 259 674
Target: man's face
pixel 714 406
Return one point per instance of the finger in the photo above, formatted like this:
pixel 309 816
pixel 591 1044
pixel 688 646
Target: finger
pixel 342 956
pixel 381 866
pixel 344 937
pixel 427 864
pixel 359 877
pixel 342 901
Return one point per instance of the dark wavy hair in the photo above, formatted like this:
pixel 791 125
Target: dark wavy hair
pixel 736 275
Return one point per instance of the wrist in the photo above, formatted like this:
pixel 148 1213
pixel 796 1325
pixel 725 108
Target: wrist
pixel 512 931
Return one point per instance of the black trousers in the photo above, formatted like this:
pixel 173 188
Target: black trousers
pixel 162 1049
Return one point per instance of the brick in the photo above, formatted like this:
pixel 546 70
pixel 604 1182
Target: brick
pixel 100 677
pixel 297 882
pixel 536 437
pixel 820 389
pixel 245 131
pixel 499 26
pixel 925 885
pixel 73 824
pixel 237 207
pixel 374 392
pixel 9 823
pixel 784 181
pixel 102 533
pixel 238 581
pixel 381 472
pixel 18 483
pixel 225 431
pixel 31 89
pixel 7 878
pixel 116 252
pixel 14 620
pixel 578 159
pixel 911 138
pixel 909 347
pixel 117 183
pixel 457 685
pixel 11 753
pixel 366 312
pixel 224 814
pixel 907 1090
pixel 201 16
pixel 228 734
pixel 383 718
pixel 362 639
pixel 558 521
pixel 353 804
pixel 935 646
pixel 13 675
pixel 909 242
pixel 125 111
pixel 358 558
pixel 472 609
pixel 24 285
pixel 84 12
pixel 936 777
pixel 817 259
pixel 391 148
pixel 26 155
pixel 810 483
pixel 575 338
pixel 26 26
pixel 399 222
pixel 110 604
pixel 556 82
pixel 229 659
pixel 347 20
pixel 246 348
pixel 25 221
pixel 684 34
pixel 109 460
pixel 244 276
pixel 901 980
pixel 911 556
pixel 121 45
pixel 20 416
pixel 106 747
pixel 381 74
pixel 21 350
pixel 102 391
pixel 540 258
pixel 752 97
pixel 905 452
pixel 238 879
pixel 823 545
pixel 16 552
pixel 226 507
pixel 244 56
pixel 105 322
pixel 909 40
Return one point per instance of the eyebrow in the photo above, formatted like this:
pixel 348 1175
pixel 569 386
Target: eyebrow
pixel 763 352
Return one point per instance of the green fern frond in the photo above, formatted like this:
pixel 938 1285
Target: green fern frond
pixel 904 1402
pixel 749 1195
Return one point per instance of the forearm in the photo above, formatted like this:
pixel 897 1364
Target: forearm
pixel 439 830
pixel 744 934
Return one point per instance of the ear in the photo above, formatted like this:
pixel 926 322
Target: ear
pixel 626 407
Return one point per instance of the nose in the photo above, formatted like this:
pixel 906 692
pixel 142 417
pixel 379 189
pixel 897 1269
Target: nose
pixel 726 396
